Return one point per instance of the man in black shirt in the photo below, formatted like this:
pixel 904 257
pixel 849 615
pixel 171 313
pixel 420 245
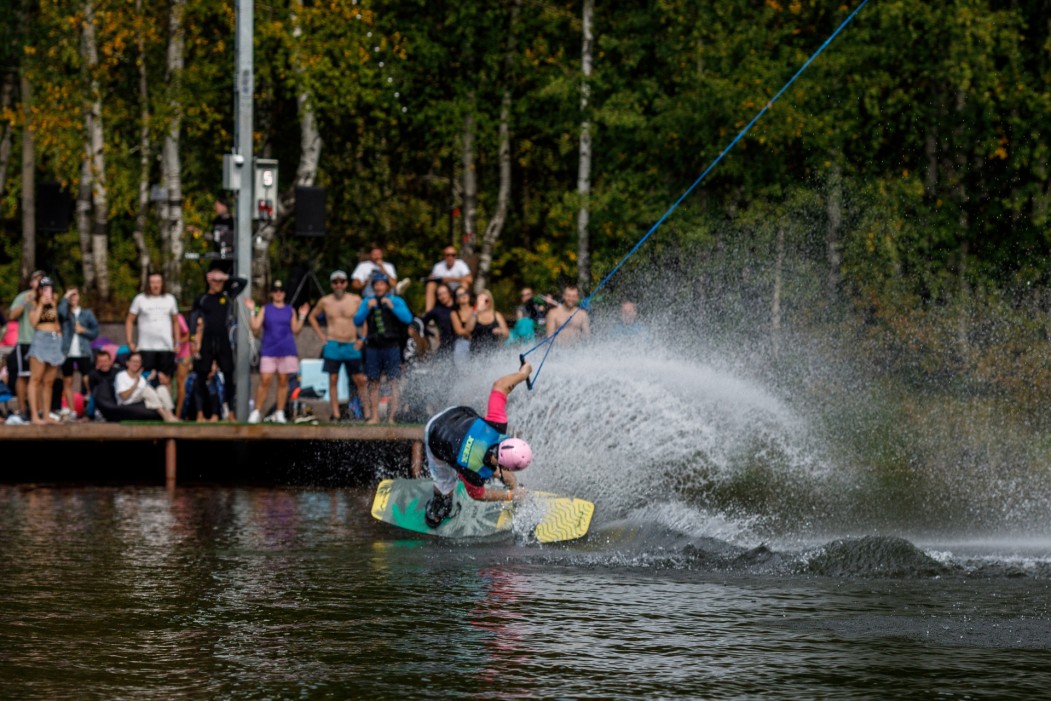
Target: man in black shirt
pixel 210 332
pixel 223 235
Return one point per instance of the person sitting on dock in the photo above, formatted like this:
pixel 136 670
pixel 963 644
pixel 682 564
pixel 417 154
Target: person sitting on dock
pixel 103 398
pixel 462 445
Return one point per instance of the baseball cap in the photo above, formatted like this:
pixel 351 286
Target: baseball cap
pixel 277 285
pixel 38 273
pixel 46 282
pixel 379 276
pixel 337 275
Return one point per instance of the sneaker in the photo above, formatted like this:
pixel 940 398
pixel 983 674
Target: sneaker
pixel 253 418
pixel 279 418
pixel 399 289
pixel 438 509
pixel 15 420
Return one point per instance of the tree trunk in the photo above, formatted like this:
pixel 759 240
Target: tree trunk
pixel 87 264
pixel 306 172
pixel 470 183
pixel 28 180
pixel 170 214
pixel 499 219
pixel 97 159
pixel 775 303
pixel 584 168
pixel 139 234
pixel 835 225
pixel 7 95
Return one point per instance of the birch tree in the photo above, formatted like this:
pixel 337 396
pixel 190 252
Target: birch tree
pixel 496 224
pixel 172 225
pixel 584 164
pixel 96 258
pixel 145 150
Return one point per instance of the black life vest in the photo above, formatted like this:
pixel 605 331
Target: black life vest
pixel 385 329
pixel 460 437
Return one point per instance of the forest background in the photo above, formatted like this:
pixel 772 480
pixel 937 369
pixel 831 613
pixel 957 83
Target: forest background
pixel 893 201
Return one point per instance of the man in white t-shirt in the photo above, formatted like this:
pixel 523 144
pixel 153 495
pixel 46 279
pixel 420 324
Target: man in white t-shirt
pixel 156 313
pixel 360 279
pixel 452 271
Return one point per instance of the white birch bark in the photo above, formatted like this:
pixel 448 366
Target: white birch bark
pixel 170 211
pixel 139 233
pixel 309 159
pixel 496 224
pixel 470 182
pixel 584 167
pixel 96 158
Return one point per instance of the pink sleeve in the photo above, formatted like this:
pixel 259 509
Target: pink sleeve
pixel 497 409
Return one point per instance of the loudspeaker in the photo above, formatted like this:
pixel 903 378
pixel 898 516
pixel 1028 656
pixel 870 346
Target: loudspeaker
pixel 52 208
pixel 310 211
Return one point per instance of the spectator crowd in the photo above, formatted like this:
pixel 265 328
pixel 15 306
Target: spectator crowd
pixel 175 366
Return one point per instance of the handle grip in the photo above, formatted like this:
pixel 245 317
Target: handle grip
pixel 521 360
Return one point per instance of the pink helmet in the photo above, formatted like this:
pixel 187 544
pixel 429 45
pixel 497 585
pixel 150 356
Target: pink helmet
pixel 514 454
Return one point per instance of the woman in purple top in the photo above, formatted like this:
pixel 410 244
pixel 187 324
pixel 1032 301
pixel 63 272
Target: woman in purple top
pixel 279 356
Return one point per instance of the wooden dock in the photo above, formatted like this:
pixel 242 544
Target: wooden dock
pixel 110 448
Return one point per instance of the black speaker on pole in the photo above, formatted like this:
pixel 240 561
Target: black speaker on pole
pixel 52 208
pixel 310 211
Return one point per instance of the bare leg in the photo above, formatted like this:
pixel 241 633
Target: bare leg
pixel 22 392
pixel 333 394
pixel 393 400
pixel 33 389
pixel 263 390
pixel 47 392
pixel 282 392
pixel 374 401
pixel 67 391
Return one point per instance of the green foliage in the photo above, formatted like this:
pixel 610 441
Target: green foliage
pixel 932 115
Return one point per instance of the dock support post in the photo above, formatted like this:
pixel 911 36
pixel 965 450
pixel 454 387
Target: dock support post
pixel 417 459
pixel 169 463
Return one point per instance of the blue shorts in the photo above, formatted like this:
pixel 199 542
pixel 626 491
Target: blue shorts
pixel 339 350
pixel 379 361
pixel 336 354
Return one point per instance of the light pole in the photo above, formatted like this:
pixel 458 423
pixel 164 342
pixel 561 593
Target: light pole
pixel 244 90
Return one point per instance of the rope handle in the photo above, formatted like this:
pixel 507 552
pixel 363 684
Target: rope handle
pixel 522 360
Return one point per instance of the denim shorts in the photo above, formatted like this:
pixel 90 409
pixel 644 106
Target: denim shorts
pixel 47 347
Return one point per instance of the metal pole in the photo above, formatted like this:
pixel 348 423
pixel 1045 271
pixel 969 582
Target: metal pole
pixel 244 89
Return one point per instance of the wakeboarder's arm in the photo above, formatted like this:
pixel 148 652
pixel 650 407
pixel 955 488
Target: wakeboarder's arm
pixel 508 382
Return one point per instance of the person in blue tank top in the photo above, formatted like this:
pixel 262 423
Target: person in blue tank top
pixel 461 445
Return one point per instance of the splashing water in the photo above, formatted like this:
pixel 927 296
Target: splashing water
pixel 660 440
pixel 653 438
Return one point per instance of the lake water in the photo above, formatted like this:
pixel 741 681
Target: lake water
pixel 735 554
pixel 227 592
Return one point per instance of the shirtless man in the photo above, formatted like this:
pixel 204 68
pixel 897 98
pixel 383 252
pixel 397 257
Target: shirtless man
pixel 342 345
pixel 579 326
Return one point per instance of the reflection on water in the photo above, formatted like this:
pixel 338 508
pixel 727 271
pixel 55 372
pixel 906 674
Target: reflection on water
pixel 281 593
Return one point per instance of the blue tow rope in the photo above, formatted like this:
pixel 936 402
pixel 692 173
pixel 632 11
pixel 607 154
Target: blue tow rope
pixel 549 341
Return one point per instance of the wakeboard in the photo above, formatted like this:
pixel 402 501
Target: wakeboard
pixel 548 517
